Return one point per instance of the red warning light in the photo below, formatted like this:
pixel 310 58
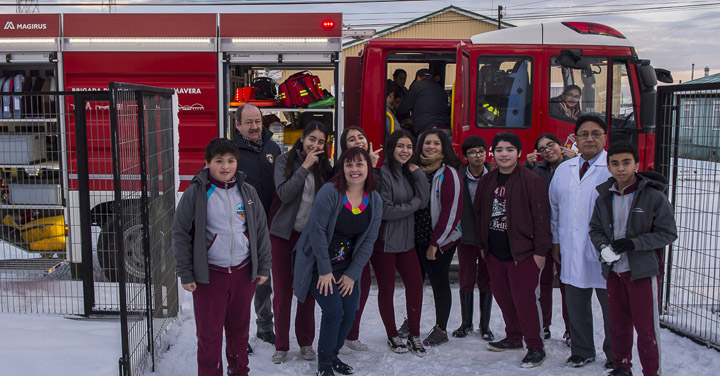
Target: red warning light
pixel 594 28
pixel 329 24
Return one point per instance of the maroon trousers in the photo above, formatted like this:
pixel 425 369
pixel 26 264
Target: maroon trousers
pixel 223 303
pixel 634 304
pixel 472 269
pixel 408 265
pixel 364 294
pixel 282 279
pixel 516 290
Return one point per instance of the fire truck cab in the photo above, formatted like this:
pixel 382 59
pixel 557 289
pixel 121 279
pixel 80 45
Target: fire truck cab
pixel 529 80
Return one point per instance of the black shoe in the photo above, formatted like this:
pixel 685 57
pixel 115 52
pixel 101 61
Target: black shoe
pixel 566 337
pixel 546 332
pixel 342 367
pixel 436 337
pixel 578 361
pixel 533 358
pixel 619 372
pixel 250 350
pixel 268 337
pixel 609 364
pixel 504 345
pixel 416 346
pixel 325 371
pixel 487 335
pixel 463 331
pixel 404 329
pixel 396 345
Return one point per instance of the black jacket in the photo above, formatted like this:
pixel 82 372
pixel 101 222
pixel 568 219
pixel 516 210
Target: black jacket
pixel 428 102
pixel 651 224
pixel 258 167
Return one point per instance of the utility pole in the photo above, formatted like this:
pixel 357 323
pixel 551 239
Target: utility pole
pixel 692 72
pixel 500 9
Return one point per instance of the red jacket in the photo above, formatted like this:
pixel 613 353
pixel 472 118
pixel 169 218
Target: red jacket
pixel 527 210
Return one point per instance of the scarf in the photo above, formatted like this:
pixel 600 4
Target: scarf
pixel 254 146
pixel 430 165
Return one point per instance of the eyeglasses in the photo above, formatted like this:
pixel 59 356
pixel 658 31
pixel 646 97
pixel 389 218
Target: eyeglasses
pixel 586 135
pixel 547 147
pixel 572 96
pixel 475 154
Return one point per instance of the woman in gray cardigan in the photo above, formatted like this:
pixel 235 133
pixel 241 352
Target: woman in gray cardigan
pixel 299 174
pixel 333 249
pixel 404 190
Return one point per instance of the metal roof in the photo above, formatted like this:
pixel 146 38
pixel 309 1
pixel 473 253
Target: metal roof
pixel 711 79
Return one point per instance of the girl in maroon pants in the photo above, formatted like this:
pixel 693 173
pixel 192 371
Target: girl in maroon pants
pixel 404 189
pixel 299 174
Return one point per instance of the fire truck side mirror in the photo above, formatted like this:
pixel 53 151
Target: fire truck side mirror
pixel 573 59
pixel 664 75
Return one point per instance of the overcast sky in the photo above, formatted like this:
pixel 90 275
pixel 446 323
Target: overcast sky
pixel 672 34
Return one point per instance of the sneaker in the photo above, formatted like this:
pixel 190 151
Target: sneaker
pixel 356 345
pixel 415 345
pixel 341 367
pixel 250 350
pixel 566 337
pixel 396 345
pixel 619 372
pixel 325 371
pixel 578 361
pixel 307 352
pixel 504 345
pixel 546 332
pixel 436 337
pixel 345 350
pixel 268 337
pixel 609 365
pixel 279 357
pixel 533 358
pixel 404 329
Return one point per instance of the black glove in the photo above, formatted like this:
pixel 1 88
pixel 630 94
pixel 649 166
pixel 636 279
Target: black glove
pixel 622 245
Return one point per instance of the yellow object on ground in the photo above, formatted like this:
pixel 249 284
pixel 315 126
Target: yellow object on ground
pixel 56 243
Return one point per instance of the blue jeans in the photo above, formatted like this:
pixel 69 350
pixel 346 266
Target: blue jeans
pixel 338 316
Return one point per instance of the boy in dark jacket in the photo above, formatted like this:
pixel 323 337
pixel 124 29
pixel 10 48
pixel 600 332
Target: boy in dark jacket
pixel 630 225
pixel 222 249
pixel 513 216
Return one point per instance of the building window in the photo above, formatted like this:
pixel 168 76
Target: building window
pixel 687 114
pixel 715 115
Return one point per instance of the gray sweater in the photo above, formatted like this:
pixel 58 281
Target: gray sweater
pixel 650 225
pixel 399 206
pixel 189 243
pixel 290 194
pixel 312 247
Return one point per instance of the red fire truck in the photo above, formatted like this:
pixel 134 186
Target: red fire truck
pixel 509 80
pixel 203 57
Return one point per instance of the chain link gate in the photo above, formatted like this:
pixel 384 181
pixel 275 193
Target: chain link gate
pixel 688 153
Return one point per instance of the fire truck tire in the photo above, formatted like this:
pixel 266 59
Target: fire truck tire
pixel 108 254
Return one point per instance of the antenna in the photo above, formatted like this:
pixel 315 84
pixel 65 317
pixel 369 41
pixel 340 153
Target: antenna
pixel 27 6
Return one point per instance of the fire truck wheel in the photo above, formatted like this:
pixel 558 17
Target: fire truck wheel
pixel 108 255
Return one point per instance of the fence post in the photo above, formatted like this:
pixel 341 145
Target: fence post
pixel 84 205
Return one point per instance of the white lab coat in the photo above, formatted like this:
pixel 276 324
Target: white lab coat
pixel 572 201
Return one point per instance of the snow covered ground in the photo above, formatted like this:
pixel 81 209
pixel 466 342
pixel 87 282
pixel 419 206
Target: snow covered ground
pixel 42 344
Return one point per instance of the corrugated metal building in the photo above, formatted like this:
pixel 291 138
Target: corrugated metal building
pixel 699 118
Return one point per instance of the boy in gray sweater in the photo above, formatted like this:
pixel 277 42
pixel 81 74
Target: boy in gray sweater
pixel 222 250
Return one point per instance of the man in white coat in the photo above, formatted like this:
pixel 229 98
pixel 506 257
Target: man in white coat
pixel 572 198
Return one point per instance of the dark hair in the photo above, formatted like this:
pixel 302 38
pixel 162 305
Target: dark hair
pixel 239 110
pixel 220 146
pixel 571 87
pixel 343 136
pixel 390 87
pixel 551 136
pixel 594 117
pixel 390 145
pixel 353 154
pixel 473 142
pixel 323 169
pixel 398 72
pixel 449 156
pixel 622 147
pixel 507 136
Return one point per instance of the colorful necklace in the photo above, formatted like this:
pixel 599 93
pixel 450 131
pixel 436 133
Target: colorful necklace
pixel 360 209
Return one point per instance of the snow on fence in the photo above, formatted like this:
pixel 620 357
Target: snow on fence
pixel 688 142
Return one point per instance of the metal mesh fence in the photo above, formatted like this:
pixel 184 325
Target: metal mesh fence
pixel 688 147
